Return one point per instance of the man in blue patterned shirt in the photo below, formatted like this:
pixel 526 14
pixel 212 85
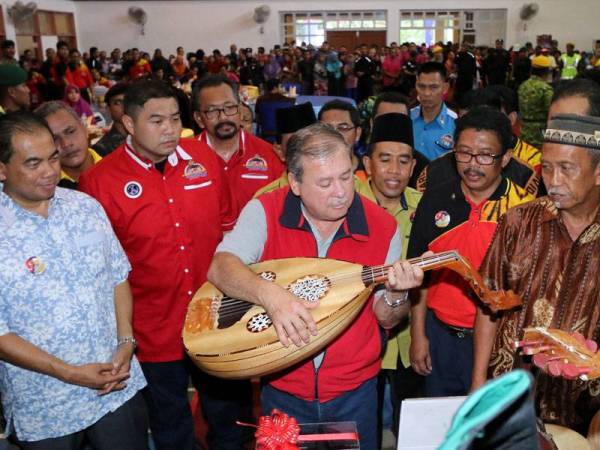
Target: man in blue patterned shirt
pixel 67 370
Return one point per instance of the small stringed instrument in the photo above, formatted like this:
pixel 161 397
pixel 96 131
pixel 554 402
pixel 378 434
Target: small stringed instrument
pixel 562 354
pixel 235 339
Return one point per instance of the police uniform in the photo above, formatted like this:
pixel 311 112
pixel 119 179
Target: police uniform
pixel 436 137
pixel 448 220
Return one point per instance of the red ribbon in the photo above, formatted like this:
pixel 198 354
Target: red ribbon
pixel 282 432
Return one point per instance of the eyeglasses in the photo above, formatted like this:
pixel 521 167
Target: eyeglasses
pixel 344 127
pixel 228 110
pixel 485 159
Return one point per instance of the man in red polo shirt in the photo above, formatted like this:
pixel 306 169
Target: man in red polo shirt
pixel 249 162
pixel 319 214
pixel 169 204
pixel 460 214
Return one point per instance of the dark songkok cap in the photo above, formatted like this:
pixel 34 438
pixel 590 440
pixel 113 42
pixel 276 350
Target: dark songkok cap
pixel 571 129
pixel 290 120
pixel 12 75
pixel 394 127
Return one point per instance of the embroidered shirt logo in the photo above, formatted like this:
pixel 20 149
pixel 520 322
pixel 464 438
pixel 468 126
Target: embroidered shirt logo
pixel 442 219
pixel 446 141
pixel 257 163
pixel 132 189
pixel 194 170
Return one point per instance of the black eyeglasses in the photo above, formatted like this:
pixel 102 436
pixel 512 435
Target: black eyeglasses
pixel 485 159
pixel 228 110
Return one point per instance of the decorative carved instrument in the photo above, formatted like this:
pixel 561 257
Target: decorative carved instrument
pixel 562 354
pixel 233 338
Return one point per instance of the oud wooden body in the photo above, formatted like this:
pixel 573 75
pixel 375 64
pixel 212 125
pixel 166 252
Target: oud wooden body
pixel 238 352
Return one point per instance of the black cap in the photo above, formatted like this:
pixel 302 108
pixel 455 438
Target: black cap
pixel 394 127
pixel 292 119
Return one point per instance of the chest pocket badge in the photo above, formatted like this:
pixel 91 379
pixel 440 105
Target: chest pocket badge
pixel 446 141
pixel 194 170
pixel 257 163
pixel 35 265
pixel 442 219
pixel 132 189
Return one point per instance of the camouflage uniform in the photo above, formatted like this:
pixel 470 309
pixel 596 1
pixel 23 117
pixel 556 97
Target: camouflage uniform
pixel 535 96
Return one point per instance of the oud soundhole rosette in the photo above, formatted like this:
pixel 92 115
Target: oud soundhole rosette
pixel 310 288
pixel 259 322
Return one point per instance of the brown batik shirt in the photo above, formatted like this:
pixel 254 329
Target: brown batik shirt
pixel 558 280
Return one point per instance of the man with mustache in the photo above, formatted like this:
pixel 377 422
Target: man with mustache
pixel 168 203
pixel 71 139
pixel 319 214
pixel 249 162
pixel 548 252
pixel 459 215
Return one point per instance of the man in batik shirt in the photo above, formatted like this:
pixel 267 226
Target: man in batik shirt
pixel 548 252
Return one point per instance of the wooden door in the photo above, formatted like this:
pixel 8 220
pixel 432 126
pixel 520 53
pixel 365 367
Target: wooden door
pixel 352 39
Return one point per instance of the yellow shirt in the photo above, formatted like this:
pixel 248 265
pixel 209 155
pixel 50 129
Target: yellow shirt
pixel 95 156
pixel 399 343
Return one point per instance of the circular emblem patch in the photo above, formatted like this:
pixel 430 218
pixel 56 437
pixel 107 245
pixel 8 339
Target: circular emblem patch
pixel 442 219
pixel 133 189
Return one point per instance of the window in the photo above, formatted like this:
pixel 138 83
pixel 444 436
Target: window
pixel 45 23
pixel 310 27
pixel 482 26
pixel 428 27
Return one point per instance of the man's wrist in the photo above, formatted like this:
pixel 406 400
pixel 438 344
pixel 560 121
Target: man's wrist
pixel 397 301
pixel 127 340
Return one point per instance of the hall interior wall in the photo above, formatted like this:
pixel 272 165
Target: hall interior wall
pixel 217 23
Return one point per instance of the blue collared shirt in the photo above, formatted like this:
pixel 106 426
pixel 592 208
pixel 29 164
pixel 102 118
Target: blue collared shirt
pixel 435 138
pixel 57 280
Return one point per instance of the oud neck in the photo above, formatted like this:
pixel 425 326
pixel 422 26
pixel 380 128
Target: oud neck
pixel 379 274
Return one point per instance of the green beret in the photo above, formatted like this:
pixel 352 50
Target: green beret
pixel 12 75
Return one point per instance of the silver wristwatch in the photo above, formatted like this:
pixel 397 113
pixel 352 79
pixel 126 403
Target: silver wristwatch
pixel 398 302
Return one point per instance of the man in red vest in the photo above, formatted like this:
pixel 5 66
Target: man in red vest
pixel 319 215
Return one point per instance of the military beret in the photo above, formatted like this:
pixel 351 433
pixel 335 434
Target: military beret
pixel 394 127
pixel 290 120
pixel 571 129
pixel 12 75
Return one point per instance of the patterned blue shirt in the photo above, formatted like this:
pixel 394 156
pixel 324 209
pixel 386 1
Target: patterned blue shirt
pixel 435 138
pixel 57 280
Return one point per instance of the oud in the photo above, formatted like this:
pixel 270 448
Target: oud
pixel 235 339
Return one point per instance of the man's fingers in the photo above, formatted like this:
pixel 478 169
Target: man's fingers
pixel 428 363
pixel 309 322
pixel 105 367
pixel 282 335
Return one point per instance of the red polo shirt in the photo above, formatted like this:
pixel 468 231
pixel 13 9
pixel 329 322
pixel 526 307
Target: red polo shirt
pixel 169 224
pixel 253 166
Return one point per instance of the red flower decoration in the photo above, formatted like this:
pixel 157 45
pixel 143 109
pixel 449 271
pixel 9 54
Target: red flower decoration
pixel 277 432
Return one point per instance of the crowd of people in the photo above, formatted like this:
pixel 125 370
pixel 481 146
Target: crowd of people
pixel 488 151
